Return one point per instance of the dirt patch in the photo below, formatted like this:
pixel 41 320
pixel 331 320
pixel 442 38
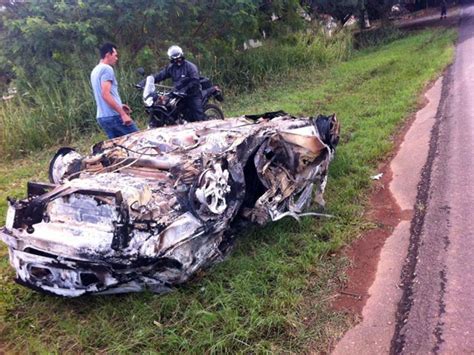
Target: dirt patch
pixel 364 253
pixel 385 214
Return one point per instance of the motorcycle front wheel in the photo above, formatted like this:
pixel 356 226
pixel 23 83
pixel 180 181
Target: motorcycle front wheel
pixel 213 112
pixel 155 120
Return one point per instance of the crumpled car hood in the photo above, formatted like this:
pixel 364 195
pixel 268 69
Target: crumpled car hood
pixel 149 209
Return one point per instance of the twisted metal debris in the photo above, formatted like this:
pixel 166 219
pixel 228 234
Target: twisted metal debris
pixel 150 209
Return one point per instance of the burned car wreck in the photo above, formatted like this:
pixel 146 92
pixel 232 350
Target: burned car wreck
pixel 148 210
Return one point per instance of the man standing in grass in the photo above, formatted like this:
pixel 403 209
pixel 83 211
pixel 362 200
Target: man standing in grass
pixel 112 115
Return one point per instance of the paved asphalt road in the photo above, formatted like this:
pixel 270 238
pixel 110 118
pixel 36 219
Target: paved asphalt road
pixel 422 299
pixel 436 312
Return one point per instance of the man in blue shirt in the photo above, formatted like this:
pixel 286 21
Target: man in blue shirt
pixel 185 77
pixel 112 115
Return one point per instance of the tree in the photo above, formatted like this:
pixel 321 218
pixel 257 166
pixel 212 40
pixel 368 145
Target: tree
pixel 45 40
pixel 380 9
pixel 42 38
pixel 341 10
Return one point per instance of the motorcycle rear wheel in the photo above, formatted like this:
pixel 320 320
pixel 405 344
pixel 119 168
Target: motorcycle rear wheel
pixel 213 112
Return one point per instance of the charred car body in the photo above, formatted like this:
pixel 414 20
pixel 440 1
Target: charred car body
pixel 148 210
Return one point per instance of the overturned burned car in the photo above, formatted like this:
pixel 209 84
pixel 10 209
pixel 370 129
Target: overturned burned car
pixel 148 210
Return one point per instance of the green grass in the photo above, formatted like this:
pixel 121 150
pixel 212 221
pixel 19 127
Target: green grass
pixel 52 112
pixel 241 71
pixel 273 293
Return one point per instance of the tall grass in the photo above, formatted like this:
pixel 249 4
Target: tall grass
pixel 377 36
pixel 51 114
pixel 57 113
pixel 243 71
pixel 44 116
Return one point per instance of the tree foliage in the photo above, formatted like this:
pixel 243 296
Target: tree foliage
pixel 343 9
pixel 46 40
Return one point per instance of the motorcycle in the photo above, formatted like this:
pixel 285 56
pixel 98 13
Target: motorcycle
pixel 167 106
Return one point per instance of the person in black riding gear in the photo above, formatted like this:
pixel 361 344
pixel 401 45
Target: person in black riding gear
pixel 185 77
pixel 444 9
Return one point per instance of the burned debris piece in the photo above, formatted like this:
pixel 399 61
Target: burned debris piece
pixel 148 210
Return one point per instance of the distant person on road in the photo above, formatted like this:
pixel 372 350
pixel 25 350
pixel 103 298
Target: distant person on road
pixel 185 77
pixel 444 9
pixel 112 115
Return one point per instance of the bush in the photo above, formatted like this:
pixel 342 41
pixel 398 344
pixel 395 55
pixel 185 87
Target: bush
pixel 376 37
pixel 57 112
pixel 243 71
pixel 50 114
pixel 45 115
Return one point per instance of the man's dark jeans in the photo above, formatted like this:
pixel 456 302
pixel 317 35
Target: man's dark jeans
pixel 114 127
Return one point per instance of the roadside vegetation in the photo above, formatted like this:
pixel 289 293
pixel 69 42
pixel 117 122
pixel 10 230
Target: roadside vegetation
pixel 56 112
pixel 273 293
pixel 49 47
